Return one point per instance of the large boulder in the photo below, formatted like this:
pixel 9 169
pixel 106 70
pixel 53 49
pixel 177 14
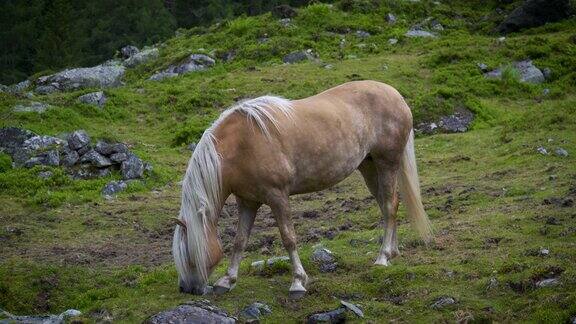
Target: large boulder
pixel 533 13
pixel 193 312
pixel 142 57
pixel 101 76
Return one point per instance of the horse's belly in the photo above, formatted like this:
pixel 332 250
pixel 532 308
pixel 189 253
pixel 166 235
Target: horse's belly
pixel 321 172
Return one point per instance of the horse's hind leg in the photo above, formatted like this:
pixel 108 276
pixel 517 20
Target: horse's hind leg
pixel 381 178
pixel 247 214
pixel 281 211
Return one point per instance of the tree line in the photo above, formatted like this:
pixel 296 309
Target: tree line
pixel 38 36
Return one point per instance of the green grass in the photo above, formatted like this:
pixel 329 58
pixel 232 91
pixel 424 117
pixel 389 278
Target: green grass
pixel 63 246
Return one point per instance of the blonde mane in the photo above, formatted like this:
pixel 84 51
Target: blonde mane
pixel 201 188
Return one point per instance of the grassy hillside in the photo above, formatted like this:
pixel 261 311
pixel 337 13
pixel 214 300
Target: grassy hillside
pixel 490 195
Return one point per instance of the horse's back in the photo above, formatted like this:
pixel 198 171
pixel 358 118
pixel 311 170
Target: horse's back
pixel 329 135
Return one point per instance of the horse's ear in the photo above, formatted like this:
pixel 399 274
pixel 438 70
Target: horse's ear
pixel 180 222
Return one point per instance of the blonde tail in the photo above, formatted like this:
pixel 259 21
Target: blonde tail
pixel 410 191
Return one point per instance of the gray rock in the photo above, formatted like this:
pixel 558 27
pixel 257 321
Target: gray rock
pixel 132 168
pixel 420 33
pixel 41 319
pixel 285 22
pixel 435 25
pixel 45 89
pixel 96 159
pixel 19 87
pixel 335 316
pixel 51 158
pixel 195 62
pixel 159 76
pixel 547 72
pixel 391 19
pixel 362 34
pixel 114 187
pixel 37 107
pixel 94 98
pixel 118 157
pixel 550 282
pixel 256 310
pixel 284 11
pixel 443 302
pixel 70 157
pixel 533 13
pixel 193 312
pixel 128 51
pixel 492 284
pixel 542 150
pixel 192 146
pixel 45 174
pixel 528 72
pixel 561 152
pixel 100 76
pixel 324 258
pixel 104 148
pixel 483 67
pixel 259 265
pixel 142 57
pixel 299 56
pixel 457 122
pixel 545 92
pixel 393 41
pixel 88 171
pixel 3 88
pixel 83 150
pixel 544 252
pixel 354 308
pixel 78 139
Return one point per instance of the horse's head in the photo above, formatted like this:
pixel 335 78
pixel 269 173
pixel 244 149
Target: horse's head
pixel 197 251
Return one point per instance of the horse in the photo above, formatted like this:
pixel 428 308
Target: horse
pixel 263 150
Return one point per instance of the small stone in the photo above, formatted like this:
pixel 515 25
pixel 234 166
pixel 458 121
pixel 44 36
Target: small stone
pixel 335 316
pixel 492 284
pixel 78 139
pixel 132 168
pixel 393 41
pixel 45 174
pixel 547 73
pixel 256 310
pixel 142 57
pixel 299 56
pixel 114 187
pixel 257 265
pixel 325 259
pixel 355 309
pixel 96 159
pixel 275 260
pixel 545 92
pixel 328 66
pixel 542 150
pixel 501 39
pixel 159 76
pixel 94 98
pixel 561 152
pixel 551 282
pixel 544 252
pixel 391 19
pixel 483 67
pixel 420 33
pixel 362 34
pixel 443 302
pixel 192 146
pixel 285 22
pixel 45 89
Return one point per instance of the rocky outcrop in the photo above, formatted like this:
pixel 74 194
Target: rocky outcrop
pixel 195 62
pixel 458 122
pixel 81 159
pixel 101 76
pixel 533 13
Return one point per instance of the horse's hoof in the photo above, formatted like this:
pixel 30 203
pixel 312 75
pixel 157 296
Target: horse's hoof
pixel 297 294
pixel 219 290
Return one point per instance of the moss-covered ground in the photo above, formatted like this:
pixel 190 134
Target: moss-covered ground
pixel 494 201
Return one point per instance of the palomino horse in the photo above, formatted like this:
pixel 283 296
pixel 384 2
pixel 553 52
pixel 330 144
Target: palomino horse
pixel 265 149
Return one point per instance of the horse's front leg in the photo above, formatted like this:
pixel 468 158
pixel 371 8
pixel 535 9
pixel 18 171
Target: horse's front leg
pixel 247 214
pixel 281 212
